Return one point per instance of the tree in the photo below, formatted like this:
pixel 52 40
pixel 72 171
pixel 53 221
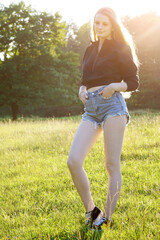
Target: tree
pixel 84 38
pixel 30 68
pixel 71 44
pixel 77 40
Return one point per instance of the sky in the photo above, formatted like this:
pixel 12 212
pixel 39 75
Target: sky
pixel 82 11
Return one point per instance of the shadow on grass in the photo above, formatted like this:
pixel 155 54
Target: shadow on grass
pixel 81 234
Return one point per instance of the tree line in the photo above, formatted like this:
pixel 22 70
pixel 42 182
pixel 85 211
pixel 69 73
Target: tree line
pixel 41 56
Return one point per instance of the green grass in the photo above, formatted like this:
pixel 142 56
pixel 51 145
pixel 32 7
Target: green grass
pixel 38 199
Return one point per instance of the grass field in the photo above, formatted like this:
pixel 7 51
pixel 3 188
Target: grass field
pixel 38 199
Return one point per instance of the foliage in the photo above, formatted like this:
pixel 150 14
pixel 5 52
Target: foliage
pixel 72 43
pixel 33 70
pixel 77 40
pixel 84 37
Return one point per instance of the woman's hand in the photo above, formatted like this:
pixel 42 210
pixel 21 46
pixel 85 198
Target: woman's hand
pixel 83 96
pixel 108 91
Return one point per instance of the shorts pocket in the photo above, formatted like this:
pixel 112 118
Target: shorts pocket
pixel 88 104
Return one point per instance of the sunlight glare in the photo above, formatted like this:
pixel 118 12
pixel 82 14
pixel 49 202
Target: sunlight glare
pixel 81 12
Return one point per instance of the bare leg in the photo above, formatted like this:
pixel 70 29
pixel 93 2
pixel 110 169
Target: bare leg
pixel 84 139
pixel 114 128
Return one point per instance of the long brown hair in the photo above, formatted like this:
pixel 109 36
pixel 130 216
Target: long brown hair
pixel 119 32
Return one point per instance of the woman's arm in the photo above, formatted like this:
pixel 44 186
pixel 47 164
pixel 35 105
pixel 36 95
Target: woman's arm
pixel 128 68
pixel 119 87
pixel 108 91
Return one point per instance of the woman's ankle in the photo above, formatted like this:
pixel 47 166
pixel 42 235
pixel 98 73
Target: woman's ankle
pixel 90 208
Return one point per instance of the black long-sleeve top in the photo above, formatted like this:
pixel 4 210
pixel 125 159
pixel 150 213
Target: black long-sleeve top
pixel 112 64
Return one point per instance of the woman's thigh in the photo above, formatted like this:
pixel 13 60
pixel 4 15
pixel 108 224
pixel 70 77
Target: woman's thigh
pixel 85 137
pixel 114 128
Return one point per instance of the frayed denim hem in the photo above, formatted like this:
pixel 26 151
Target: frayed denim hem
pixel 109 116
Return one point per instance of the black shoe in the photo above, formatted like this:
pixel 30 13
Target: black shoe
pixel 102 223
pixel 93 216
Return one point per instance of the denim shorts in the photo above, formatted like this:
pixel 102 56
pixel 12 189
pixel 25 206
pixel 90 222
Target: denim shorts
pixel 98 109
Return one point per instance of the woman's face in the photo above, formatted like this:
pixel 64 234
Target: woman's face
pixel 102 27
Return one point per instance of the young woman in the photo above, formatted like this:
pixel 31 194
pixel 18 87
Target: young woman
pixel 109 67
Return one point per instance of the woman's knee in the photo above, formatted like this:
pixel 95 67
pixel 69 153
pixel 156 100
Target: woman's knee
pixel 74 161
pixel 113 166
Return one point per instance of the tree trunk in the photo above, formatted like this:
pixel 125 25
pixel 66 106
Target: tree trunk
pixel 14 107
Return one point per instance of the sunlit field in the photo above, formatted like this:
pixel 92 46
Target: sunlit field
pixel 38 199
